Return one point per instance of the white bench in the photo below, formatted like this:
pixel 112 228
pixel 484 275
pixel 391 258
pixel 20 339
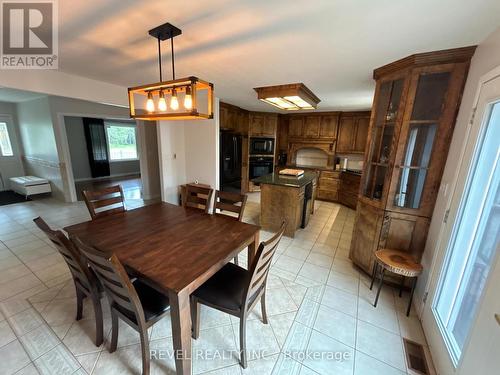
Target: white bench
pixel 30 185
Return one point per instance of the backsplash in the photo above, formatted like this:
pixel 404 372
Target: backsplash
pixel 312 157
pixel 354 161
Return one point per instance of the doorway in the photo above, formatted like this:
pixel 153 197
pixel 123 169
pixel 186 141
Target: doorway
pixel 461 320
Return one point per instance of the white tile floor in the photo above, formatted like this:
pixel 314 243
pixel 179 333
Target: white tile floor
pixel 321 318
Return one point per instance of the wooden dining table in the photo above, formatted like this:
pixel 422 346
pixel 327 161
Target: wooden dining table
pixel 173 249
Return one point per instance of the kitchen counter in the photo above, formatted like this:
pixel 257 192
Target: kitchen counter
pixel 277 179
pixel 286 198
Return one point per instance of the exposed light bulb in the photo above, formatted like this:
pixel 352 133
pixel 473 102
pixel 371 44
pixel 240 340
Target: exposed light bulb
pixel 174 103
pixel 150 104
pixel 188 99
pixel 188 102
pixel 162 103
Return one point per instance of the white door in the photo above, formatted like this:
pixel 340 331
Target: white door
pixel 459 317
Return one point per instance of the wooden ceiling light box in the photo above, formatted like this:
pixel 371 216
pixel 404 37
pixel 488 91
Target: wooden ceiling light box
pixel 201 93
pixel 188 98
pixel 290 97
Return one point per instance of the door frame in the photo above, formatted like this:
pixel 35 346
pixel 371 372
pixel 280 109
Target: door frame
pixel 64 153
pixel 440 354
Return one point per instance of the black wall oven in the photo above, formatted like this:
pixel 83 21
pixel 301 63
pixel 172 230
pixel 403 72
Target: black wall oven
pixel 260 166
pixel 261 146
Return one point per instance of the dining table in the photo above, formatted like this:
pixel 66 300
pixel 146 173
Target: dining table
pixel 174 250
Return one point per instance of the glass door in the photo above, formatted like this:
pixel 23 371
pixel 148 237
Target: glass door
pixel 474 243
pixel 382 138
pixel 420 131
pixel 459 317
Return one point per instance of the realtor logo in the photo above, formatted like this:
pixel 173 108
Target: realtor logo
pixel 29 34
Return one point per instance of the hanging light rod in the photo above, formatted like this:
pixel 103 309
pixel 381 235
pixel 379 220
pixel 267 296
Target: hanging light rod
pixel 190 98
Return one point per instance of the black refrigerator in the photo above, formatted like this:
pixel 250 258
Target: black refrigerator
pixel 230 162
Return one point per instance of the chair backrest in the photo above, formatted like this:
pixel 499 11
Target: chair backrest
pixel 197 197
pixel 114 279
pixel 76 263
pixel 260 267
pixel 104 202
pixel 232 202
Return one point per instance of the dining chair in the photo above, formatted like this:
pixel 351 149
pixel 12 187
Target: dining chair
pixel 197 197
pixel 136 303
pixel 86 283
pixel 235 290
pixel 230 202
pixel 104 202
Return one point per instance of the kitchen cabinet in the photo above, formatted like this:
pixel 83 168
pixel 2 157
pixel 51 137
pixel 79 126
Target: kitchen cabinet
pixel 328 126
pixel 263 124
pixel 311 127
pixel 295 126
pixel 413 117
pixel 321 127
pixel 232 118
pixel 353 132
pixel 328 186
pixel 349 189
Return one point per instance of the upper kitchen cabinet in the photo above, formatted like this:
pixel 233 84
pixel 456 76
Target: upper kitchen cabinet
pixel 353 132
pixel 414 112
pixel 295 125
pixel 233 118
pixel 314 126
pixel 263 124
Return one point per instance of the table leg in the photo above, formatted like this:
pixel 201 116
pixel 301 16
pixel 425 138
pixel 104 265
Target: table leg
pixel 252 249
pixel 181 330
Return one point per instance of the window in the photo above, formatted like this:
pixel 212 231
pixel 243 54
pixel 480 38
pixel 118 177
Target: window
pixel 121 141
pixel 474 243
pixel 5 145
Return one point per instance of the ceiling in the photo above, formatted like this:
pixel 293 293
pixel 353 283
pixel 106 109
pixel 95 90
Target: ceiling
pixel 17 96
pixel 330 45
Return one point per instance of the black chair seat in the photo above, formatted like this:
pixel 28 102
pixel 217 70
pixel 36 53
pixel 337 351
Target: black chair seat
pixel 226 288
pixel 153 302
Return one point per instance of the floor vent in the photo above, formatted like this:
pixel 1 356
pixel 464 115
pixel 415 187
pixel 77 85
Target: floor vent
pixel 415 357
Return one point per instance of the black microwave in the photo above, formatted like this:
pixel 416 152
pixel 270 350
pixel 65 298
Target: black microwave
pixel 261 146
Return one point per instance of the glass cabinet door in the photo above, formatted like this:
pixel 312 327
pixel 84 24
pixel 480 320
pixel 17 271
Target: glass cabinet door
pixel 386 112
pixel 420 135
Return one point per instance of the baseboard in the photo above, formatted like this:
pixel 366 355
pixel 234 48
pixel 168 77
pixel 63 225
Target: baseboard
pixel 107 177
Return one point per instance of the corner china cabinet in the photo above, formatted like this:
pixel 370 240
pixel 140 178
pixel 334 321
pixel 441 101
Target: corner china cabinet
pixel 414 112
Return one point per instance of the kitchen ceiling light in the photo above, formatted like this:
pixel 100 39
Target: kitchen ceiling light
pixel 197 94
pixel 290 97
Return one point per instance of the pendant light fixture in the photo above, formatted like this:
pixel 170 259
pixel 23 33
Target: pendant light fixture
pixel 177 99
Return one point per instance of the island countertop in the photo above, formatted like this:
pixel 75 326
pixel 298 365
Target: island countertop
pixel 277 179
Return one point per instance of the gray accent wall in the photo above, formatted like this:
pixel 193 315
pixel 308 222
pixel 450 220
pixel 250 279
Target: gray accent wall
pixel 79 158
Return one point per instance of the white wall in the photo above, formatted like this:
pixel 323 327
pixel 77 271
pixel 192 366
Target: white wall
pixel 486 58
pixel 195 144
pixel 172 157
pixel 11 166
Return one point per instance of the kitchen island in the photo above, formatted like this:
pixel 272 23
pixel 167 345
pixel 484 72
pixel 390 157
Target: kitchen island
pixel 286 198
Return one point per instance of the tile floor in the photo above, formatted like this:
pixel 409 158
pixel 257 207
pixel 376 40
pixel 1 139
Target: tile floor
pixel 321 320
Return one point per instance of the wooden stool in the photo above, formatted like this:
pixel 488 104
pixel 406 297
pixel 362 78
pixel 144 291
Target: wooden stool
pixel 397 262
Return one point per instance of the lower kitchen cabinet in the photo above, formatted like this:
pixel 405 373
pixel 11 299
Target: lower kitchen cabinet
pixel 349 189
pixel 328 186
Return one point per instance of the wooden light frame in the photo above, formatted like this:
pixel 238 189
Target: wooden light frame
pixel 284 92
pixel 179 85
